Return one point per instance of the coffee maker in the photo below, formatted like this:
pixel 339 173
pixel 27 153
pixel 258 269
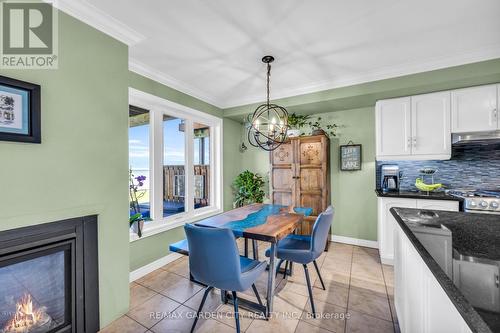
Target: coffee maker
pixel 389 178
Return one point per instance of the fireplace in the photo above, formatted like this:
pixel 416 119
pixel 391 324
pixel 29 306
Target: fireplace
pixel 49 278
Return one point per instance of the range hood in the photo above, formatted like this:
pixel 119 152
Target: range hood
pixel 478 138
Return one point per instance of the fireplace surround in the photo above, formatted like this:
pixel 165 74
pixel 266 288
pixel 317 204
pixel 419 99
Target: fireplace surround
pixel 49 278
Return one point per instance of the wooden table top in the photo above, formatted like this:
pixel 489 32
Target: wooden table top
pixel 264 222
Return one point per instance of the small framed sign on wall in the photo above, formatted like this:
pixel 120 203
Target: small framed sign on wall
pixel 350 157
pixel 19 111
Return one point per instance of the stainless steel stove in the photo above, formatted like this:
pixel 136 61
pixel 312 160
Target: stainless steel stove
pixel 479 201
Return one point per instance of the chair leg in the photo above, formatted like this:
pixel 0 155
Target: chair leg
pixel 201 307
pixel 255 248
pixel 236 314
pixel 306 271
pixel 256 292
pixel 246 247
pixel 278 266
pixel 286 268
pixel 319 274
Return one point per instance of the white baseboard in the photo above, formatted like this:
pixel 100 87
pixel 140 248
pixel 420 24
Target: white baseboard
pixel 355 241
pixel 146 269
pixel 387 261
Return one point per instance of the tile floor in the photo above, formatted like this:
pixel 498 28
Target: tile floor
pixel 358 298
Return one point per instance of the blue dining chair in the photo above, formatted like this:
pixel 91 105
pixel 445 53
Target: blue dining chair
pixel 214 260
pixel 304 249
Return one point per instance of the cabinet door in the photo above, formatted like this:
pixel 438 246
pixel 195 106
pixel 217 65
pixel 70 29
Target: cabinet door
pixel 438 205
pixel 386 225
pixel 474 109
pixel 283 175
pixel 312 188
pixel 430 123
pixel 392 121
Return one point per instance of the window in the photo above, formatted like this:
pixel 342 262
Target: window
pixel 139 175
pixel 177 150
pixel 174 165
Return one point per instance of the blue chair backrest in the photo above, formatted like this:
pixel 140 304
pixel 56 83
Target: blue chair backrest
pixel 320 230
pixel 213 255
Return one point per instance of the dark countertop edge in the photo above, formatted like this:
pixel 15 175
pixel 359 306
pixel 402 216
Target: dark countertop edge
pixel 417 195
pixel 469 314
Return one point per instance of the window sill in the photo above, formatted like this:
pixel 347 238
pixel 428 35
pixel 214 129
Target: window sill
pixel 172 224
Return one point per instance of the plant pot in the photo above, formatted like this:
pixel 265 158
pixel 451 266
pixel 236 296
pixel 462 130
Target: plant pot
pixel 318 131
pixel 293 133
pixel 137 227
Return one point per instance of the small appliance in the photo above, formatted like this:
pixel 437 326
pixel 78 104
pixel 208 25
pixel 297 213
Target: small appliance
pixel 389 178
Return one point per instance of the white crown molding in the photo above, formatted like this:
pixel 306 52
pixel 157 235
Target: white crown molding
pixel 145 70
pixel 408 68
pixel 89 14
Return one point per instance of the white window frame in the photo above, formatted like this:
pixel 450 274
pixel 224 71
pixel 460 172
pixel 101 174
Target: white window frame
pixel 158 107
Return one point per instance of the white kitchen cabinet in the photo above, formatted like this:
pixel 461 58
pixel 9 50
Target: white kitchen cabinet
pixel 386 222
pixel 421 303
pixel 393 127
pixel 414 128
pixel 474 109
pixel 430 125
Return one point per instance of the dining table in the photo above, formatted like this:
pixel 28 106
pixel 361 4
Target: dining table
pixel 260 222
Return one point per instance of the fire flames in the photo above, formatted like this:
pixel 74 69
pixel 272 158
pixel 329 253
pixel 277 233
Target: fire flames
pixel 25 317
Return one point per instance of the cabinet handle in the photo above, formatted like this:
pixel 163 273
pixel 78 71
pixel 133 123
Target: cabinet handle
pixel 415 142
pixel 408 142
pixel 495 113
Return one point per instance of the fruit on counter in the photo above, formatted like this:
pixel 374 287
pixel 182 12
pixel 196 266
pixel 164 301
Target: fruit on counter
pixel 419 183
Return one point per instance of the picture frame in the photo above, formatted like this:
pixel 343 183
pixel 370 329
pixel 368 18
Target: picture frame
pixel 350 157
pixel 20 119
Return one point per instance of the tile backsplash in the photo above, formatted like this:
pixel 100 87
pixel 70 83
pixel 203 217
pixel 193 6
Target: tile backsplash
pixel 469 167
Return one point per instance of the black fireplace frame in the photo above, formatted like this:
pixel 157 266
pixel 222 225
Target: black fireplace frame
pixel 80 234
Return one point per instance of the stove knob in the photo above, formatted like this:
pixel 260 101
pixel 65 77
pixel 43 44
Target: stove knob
pixel 494 205
pixel 483 204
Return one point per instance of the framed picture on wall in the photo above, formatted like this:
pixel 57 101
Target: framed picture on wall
pixel 350 157
pixel 19 111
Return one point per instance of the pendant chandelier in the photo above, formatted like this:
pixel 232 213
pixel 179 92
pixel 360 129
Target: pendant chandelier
pixel 269 122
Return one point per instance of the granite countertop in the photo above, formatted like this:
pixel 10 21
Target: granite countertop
pixel 439 195
pixel 473 235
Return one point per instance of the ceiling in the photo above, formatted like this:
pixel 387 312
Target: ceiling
pixel 211 49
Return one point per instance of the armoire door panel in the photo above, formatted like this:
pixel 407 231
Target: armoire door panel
pixel 311 153
pixel 282 198
pixel 282 179
pixel 312 200
pixel 283 154
pixel 299 175
pixel 311 179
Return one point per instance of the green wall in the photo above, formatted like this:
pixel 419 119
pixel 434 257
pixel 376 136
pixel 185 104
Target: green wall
pixel 80 167
pixel 145 84
pixel 352 192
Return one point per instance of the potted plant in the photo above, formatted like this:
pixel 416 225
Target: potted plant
pixel 295 123
pixel 248 188
pixel 136 220
pixel 318 128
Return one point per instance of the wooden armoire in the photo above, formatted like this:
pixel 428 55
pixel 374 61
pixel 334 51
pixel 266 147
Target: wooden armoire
pixel 300 175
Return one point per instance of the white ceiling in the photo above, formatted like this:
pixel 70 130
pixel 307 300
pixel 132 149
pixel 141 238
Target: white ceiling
pixel 211 49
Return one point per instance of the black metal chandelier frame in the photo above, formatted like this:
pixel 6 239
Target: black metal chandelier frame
pixel 269 122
